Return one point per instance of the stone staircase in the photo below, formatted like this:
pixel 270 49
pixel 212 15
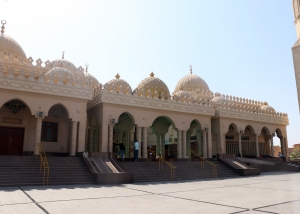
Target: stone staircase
pixel 148 171
pixel 25 171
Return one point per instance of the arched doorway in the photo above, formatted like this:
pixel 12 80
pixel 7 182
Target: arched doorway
pixel 56 130
pixel 231 140
pixel 15 120
pixel 264 142
pixel 195 138
pixel 165 142
pixel 248 142
pixel 282 142
pixel 93 135
pixel 124 132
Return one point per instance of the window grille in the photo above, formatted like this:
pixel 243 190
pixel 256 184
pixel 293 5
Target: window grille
pixel 232 147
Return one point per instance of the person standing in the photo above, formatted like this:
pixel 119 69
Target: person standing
pixel 282 157
pixel 121 152
pixel 136 150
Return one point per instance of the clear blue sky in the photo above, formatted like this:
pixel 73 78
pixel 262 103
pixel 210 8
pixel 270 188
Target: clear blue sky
pixel 240 48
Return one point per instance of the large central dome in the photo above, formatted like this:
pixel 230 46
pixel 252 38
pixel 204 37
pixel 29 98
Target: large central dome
pixel 10 47
pixel 191 82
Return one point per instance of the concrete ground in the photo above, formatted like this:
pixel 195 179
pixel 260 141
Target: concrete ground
pixel 267 193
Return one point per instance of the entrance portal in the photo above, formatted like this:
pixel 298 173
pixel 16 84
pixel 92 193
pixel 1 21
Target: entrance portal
pixel 11 141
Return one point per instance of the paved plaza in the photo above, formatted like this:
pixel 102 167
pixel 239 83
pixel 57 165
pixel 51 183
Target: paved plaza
pixel 268 193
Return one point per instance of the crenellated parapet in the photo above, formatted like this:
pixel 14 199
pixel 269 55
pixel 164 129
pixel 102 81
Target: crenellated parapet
pixel 243 105
pixel 43 78
pixel 214 104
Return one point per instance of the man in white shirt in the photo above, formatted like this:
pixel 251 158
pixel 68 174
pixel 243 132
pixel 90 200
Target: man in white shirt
pixel 136 150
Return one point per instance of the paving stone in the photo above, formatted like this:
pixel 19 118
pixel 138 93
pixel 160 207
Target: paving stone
pixel 268 193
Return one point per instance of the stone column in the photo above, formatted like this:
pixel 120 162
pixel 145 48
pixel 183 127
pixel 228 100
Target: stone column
pixel 188 144
pixel 73 138
pixel 145 151
pixel 179 144
pixel 158 144
pixel 282 146
pixel 257 146
pixel 110 137
pixel 139 139
pixel 162 140
pixel 272 146
pixel 184 144
pixel 204 144
pixel 209 144
pixel 240 144
pixel 200 143
pixel 38 131
pixel 127 143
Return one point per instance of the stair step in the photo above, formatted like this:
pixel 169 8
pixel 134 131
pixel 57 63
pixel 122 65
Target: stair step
pixel 25 171
pixel 148 171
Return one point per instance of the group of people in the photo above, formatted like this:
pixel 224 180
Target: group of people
pixel 122 150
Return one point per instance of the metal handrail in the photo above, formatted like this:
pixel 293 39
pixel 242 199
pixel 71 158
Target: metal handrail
pixel 161 162
pixel 202 160
pixel 44 164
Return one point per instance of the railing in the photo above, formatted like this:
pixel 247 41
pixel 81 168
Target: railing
pixel 161 162
pixel 202 160
pixel 44 164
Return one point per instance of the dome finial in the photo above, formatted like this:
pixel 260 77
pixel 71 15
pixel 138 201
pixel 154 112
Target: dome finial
pixel 3 22
pixel 117 76
pixel 152 74
pixel 63 55
pixel 86 67
pixel 265 103
pixel 191 68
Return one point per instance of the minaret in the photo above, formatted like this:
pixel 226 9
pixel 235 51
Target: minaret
pixel 296 47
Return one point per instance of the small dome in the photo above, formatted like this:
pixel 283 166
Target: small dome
pixel 218 99
pixel 153 85
pixel 59 74
pixel 191 82
pixel 182 96
pixel 266 107
pixel 117 84
pixel 91 80
pixel 63 64
pixel 10 47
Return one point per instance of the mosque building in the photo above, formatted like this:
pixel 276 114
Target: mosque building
pixel 70 112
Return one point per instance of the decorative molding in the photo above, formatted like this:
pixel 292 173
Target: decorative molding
pixel 41 87
pixel 12 120
pixel 253 117
pixel 14 92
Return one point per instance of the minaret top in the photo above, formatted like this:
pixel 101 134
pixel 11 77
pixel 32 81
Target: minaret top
pixel 296 8
pixel 3 22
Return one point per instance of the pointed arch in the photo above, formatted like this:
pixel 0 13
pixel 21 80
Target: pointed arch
pixel 278 132
pixel 20 100
pixel 266 130
pixel 163 118
pixel 251 129
pixel 61 105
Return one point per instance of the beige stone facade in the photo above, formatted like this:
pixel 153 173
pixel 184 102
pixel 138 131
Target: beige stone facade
pixel 69 111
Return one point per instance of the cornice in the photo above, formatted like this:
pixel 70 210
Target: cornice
pixel 252 117
pixel 152 103
pixel 42 87
pixel 41 95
